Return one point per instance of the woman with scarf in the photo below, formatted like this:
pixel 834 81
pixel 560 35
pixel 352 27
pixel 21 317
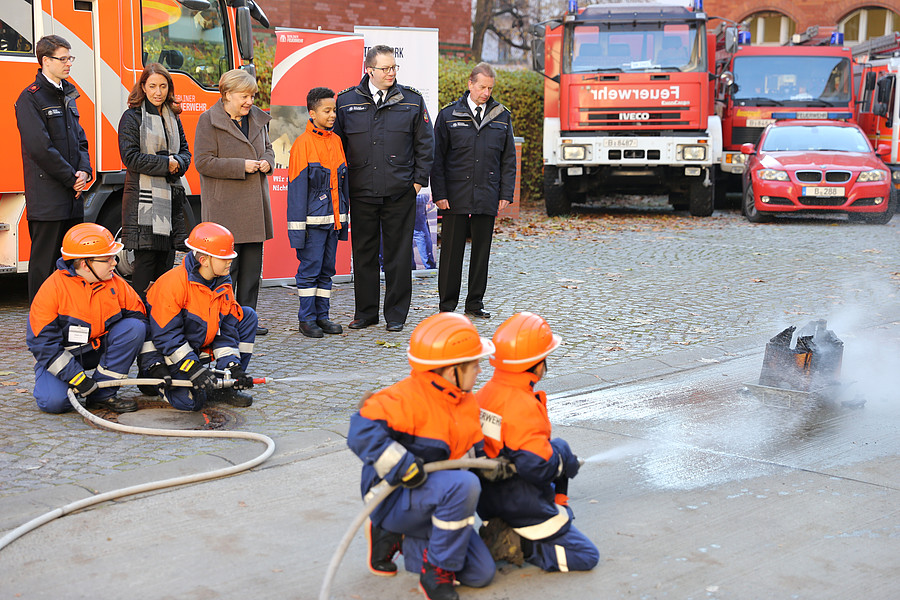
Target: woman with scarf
pixel 155 153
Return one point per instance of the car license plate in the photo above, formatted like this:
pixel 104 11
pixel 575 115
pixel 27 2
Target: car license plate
pixel 823 191
pixel 620 142
pixel 759 122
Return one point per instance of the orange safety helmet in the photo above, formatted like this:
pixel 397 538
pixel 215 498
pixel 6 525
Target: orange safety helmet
pixel 88 240
pixel 522 341
pixel 446 339
pixel 212 239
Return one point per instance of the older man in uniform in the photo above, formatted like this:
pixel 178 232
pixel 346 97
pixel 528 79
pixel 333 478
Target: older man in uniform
pixel 473 179
pixel 389 143
pixel 55 157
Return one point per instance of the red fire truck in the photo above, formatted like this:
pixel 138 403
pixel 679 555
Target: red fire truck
pixel 810 78
pixel 197 40
pixel 876 71
pixel 628 105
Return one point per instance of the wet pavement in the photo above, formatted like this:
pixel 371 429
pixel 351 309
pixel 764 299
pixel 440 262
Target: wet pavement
pixel 664 318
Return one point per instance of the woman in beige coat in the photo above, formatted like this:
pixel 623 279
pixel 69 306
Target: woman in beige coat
pixel 233 155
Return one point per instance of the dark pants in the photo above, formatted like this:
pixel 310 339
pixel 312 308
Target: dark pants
pixel 246 270
pixel 453 248
pixel 46 240
pixel 392 224
pixel 148 266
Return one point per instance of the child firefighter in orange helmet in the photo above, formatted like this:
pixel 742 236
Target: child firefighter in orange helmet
pixel 429 416
pixel 532 502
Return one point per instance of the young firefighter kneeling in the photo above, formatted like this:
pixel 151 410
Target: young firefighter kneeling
pixel 85 316
pixel 516 427
pixel 429 416
pixel 193 310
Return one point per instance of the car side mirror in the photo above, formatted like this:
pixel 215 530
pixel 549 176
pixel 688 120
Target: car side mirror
pixel 748 148
pixel 883 150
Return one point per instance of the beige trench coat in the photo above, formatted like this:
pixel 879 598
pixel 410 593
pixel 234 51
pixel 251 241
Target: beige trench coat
pixel 229 195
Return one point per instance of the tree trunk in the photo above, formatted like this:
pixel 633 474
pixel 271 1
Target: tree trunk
pixel 484 15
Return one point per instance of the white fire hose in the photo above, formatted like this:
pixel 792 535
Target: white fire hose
pixel 153 485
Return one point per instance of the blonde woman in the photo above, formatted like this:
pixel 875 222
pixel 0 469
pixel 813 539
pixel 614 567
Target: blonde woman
pixel 234 155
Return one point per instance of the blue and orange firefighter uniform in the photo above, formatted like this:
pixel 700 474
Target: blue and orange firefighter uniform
pixel 76 325
pixel 421 419
pixel 191 315
pixel 516 427
pixel 318 208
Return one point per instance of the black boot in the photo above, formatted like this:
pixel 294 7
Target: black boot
pixel 231 396
pixel 310 329
pixel 115 404
pixel 437 583
pixel 383 545
pixel 329 326
pixel 502 541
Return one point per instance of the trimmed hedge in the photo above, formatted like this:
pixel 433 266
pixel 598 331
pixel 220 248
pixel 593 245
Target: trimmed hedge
pixel 523 93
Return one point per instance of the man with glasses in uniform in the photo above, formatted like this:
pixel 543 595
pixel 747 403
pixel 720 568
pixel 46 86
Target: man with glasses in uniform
pixel 389 143
pixel 55 157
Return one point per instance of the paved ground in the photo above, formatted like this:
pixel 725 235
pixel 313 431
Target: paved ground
pixel 634 295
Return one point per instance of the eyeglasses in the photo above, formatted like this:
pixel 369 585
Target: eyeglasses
pixel 104 261
pixel 391 69
pixel 63 59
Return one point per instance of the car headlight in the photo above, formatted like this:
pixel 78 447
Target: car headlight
pixel 574 152
pixel 875 175
pixel 773 175
pixel 691 152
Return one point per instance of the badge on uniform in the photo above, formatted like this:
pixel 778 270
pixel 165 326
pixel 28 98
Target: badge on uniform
pixel 491 424
pixel 79 334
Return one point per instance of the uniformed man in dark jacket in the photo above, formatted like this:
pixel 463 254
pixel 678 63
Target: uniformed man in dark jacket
pixel 55 157
pixel 389 143
pixel 473 178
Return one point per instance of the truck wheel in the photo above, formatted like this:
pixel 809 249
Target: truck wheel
pixel 748 207
pixel 678 200
pixel 555 199
pixel 701 201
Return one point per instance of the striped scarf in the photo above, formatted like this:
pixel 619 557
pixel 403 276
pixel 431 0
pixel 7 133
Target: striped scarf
pixel 155 194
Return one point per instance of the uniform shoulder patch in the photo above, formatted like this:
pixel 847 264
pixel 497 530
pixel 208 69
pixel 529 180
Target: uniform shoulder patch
pixel 412 89
pixel 346 90
pixel 33 88
pixel 448 105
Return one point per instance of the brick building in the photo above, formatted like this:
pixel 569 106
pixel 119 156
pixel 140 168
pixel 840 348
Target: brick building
pixel 452 17
pixel 775 22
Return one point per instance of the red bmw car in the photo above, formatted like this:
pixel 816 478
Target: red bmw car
pixel 816 166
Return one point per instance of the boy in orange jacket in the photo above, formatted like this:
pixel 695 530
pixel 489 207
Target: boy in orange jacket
pixel 318 210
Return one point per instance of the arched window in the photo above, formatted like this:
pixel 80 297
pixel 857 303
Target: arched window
pixel 770 27
pixel 866 23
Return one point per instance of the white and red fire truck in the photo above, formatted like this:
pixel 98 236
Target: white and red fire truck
pixel 809 78
pixel 628 105
pixel 876 76
pixel 197 40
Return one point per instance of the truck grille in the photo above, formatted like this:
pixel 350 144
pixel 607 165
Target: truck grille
pixel 632 117
pixel 745 135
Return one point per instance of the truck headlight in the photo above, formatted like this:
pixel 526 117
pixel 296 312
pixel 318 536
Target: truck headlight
pixel 691 152
pixel 574 152
pixel 895 176
pixel 874 175
pixel 773 175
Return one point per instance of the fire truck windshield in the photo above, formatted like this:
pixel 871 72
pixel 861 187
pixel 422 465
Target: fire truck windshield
pixel 630 47
pixel 185 40
pixel 791 80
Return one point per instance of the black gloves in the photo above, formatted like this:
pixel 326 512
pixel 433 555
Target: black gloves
pixel 160 371
pixel 415 475
pixel 199 375
pixel 504 470
pixel 242 381
pixel 83 385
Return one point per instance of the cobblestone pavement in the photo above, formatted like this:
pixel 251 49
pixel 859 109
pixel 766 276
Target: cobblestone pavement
pixel 618 285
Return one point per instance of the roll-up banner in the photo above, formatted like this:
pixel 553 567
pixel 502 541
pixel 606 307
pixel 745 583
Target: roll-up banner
pixel 304 59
